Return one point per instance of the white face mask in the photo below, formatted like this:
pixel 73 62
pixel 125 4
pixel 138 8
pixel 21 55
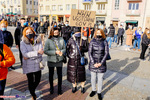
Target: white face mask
pixel 148 32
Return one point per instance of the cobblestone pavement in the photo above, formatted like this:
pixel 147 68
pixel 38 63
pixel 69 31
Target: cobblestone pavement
pixel 127 78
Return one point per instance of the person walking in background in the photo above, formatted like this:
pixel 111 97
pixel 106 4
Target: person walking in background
pixel 6 37
pixel 105 30
pixel 75 71
pixel 116 34
pixel 46 25
pixel 7 59
pixel 32 51
pixel 145 43
pixel 110 35
pixel 120 35
pixel 18 35
pixel 35 25
pixel 18 23
pixel 129 34
pixel 54 49
pixel 41 30
pixel 137 39
pixel 66 32
pixel 98 52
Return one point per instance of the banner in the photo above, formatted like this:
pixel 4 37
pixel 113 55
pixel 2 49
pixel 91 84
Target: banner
pixel 82 18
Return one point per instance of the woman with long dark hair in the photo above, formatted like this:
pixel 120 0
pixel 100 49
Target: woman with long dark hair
pixel 54 49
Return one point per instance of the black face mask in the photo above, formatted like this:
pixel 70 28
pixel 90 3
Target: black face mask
pixel 30 36
pixel 56 36
pixel 99 36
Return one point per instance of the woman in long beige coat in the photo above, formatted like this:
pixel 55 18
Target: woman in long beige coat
pixel 129 34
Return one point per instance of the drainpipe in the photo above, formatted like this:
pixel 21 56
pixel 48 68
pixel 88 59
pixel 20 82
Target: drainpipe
pixel 144 12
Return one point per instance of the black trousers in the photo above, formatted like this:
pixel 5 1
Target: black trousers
pixel 2 88
pixel 59 74
pixel 144 48
pixel 20 55
pixel 33 81
pixel 120 37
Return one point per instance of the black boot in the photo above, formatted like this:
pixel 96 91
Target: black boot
pixel 51 90
pixel 59 91
pixel 74 89
pixel 99 96
pixel 92 93
pixel 82 90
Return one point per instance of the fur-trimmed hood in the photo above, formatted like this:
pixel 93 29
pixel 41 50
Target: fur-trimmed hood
pixel 37 39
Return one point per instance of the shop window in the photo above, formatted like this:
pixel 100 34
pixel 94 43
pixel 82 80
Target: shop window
pixel 73 6
pixel 68 7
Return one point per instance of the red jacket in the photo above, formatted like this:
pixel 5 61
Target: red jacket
pixel 8 61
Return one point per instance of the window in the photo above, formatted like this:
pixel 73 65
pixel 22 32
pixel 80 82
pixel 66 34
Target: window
pixel 73 6
pixel 31 11
pixel 47 8
pixel 26 1
pixel 15 1
pixel 87 7
pixel 60 8
pixel 2 10
pixel 41 8
pixel 30 2
pixel 37 3
pixel 8 10
pixel 27 10
pixel 117 4
pixel 15 10
pixel 101 6
pixel 68 7
pixel 53 7
pixel 7 1
pixel 34 3
pixel 133 6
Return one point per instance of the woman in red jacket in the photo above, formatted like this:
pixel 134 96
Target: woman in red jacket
pixel 6 60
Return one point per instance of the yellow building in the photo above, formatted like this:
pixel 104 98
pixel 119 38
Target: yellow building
pixel 53 10
pixel 12 9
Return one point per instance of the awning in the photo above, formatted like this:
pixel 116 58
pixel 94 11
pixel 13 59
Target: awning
pixel 67 15
pixel 133 22
pixel 14 13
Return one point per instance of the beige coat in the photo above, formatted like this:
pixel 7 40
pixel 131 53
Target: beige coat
pixel 129 34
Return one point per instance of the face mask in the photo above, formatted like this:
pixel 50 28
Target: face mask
pixel 99 36
pixel 30 36
pixel 3 29
pixel 56 36
pixel 139 29
pixel 25 24
pixel 148 32
pixel 55 25
pixel 67 25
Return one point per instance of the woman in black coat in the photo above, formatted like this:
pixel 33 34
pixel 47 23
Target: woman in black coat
pixel 98 52
pixel 75 71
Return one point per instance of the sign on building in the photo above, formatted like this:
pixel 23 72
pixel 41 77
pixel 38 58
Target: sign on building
pixel 82 18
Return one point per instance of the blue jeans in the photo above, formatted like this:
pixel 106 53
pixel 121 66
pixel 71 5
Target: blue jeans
pixel 115 38
pixel 109 39
pixel 66 41
pixel 137 41
pixel 2 87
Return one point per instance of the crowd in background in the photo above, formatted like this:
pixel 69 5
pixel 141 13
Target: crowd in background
pixel 65 42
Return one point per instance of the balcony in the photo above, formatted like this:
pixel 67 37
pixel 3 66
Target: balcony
pixel 134 0
pixel 133 13
pixel 101 12
pixel 100 1
pixel 87 1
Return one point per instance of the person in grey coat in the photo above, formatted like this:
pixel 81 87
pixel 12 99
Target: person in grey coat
pixel 32 51
pixel 54 49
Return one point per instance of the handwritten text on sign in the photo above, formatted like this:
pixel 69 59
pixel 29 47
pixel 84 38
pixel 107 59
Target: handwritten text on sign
pixel 82 18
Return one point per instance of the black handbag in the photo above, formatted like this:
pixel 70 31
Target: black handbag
pixel 64 59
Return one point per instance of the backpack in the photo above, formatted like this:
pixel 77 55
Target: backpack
pixel 1 51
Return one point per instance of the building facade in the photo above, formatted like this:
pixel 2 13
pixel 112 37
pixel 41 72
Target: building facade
pixel 14 9
pixel 53 10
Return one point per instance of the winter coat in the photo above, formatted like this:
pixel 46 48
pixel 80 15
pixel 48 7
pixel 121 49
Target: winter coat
pixel 111 31
pixel 75 71
pixel 35 26
pixel 138 35
pixel 98 52
pixel 145 40
pixel 18 35
pixel 120 32
pixel 50 49
pixel 32 64
pixel 66 32
pixel 41 30
pixel 8 61
pixel 129 34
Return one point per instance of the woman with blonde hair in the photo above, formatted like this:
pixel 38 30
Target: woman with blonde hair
pixel 32 51
pixel 145 43
pixel 129 34
pixel 42 32
pixel 98 53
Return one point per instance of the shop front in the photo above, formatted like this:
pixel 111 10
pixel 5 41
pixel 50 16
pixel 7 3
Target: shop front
pixel 67 17
pixel 133 23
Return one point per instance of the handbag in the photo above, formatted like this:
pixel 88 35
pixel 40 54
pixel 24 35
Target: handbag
pixel 83 60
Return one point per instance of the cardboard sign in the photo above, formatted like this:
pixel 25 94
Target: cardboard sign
pixel 82 18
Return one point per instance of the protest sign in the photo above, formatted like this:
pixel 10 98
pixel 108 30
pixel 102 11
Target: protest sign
pixel 82 18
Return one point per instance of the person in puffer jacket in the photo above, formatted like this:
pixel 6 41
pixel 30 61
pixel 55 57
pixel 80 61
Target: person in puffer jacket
pixel 98 52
